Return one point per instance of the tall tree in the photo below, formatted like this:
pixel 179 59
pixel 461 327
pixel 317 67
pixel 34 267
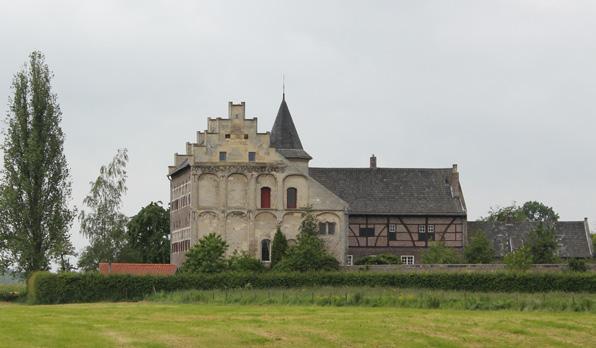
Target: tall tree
pixel 542 244
pixel 35 187
pixel 148 234
pixel 103 223
pixel 279 247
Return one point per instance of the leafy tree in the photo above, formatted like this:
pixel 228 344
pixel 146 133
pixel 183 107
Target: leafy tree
pixel 536 211
pixel 519 260
pixel 542 244
pixel 207 256
pixel 242 262
pixel 479 250
pixel 148 234
pixel 104 224
pixel 439 253
pixel 529 211
pixel 279 247
pixel 309 253
pixel 35 187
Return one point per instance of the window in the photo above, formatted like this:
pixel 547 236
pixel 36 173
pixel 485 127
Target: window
pixel 265 252
pixel 407 259
pixel 265 197
pixel 223 156
pixel 227 136
pixel 252 156
pixel 292 197
pixel 426 233
pixel 366 232
pixel 391 227
pixel 392 236
pixel 326 227
pixel 245 136
pixel 350 260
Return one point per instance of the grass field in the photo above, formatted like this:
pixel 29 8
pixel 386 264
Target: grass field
pixel 179 325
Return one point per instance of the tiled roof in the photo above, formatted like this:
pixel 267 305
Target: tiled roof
pixel 572 236
pixel 400 191
pixel 137 268
pixel 284 136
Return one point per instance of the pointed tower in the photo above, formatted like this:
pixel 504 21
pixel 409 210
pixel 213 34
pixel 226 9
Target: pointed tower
pixel 284 136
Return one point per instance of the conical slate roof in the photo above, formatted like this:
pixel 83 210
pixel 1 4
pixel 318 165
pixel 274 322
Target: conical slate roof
pixel 284 136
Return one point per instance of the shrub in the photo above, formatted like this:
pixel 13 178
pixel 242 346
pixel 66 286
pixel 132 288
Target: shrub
pixel 479 250
pixel 519 260
pixel 44 287
pixel 207 256
pixel 577 265
pixel 242 262
pixel 383 259
pixel 438 253
pixel 542 244
pixel 279 247
pixel 309 253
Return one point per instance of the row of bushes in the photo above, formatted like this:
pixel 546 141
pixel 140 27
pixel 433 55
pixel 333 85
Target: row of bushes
pixel 44 287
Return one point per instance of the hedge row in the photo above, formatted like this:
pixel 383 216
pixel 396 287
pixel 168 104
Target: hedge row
pixel 44 287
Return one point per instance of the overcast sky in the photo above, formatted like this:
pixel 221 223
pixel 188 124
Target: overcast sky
pixel 505 89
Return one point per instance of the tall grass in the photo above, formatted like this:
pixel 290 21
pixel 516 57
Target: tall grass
pixel 386 297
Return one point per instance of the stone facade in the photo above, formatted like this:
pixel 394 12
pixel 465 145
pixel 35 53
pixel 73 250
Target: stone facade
pixel 219 183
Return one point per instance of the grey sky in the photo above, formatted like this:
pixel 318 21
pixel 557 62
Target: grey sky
pixel 506 89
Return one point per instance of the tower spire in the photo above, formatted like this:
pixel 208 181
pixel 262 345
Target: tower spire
pixel 283 86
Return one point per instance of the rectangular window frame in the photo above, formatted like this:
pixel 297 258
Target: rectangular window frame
pixel 408 260
pixel 252 156
pixel 223 156
pixel 392 228
pixel 367 232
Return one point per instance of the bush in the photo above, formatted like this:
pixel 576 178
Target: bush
pixel 48 288
pixel 383 259
pixel 577 265
pixel 519 260
pixel 207 256
pixel 12 292
pixel 438 253
pixel 479 250
pixel 242 262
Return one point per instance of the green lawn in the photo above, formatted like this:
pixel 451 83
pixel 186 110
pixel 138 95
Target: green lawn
pixel 183 325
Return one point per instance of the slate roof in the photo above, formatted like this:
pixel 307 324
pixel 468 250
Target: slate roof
pixel 572 236
pixel 137 268
pixel 397 191
pixel 182 165
pixel 284 136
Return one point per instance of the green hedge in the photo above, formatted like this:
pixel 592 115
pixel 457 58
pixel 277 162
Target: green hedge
pixel 44 287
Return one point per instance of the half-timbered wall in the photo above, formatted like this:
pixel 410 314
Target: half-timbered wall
pixel 402 235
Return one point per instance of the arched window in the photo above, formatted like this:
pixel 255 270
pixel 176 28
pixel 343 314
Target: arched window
pixel 265 197
pixel 292 197
pixel 265 250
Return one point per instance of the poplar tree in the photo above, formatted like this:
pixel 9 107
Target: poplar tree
pixel 35 186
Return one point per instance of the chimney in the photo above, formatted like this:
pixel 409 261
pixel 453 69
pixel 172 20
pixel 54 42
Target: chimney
pixel 373 161
pixel 455 181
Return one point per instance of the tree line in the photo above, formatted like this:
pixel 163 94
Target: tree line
pixel 36 214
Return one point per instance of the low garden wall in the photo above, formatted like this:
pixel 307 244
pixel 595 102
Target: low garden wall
pixel 493 267
pixel 47 288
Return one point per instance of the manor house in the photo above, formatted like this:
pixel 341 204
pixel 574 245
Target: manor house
pixel 243 185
